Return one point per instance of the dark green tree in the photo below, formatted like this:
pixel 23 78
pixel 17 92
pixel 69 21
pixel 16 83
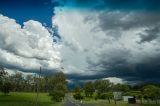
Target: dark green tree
pixel 89 89
pixel 6 88
pixel 17 81
pixel 4 81
pixel 58 86
pixel 151 91
pixel 78 92
pixel 120 87
pixel 2 75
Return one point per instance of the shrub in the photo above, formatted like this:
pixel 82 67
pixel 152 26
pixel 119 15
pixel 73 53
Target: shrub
pixel 78 96
pixel 57 95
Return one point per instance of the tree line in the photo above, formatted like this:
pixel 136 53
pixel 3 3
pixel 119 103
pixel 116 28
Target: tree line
pixel 103 89
pixel 55 85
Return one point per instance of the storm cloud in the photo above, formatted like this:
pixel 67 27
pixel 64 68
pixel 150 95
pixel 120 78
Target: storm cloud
pixel 117 41
pixel 91 39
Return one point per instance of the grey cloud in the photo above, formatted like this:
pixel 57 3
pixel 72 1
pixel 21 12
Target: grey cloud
pixel 148 71
pixel 71 46
pixel 150 34
pixel 119 20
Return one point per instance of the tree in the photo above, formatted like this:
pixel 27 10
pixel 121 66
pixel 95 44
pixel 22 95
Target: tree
pixel 2 75
pixel 109 95
pixel 6 88
pixel 17 81
pixel 89 89
pixel 151 91
pixel 120 87
pixel 58 93
pixel 102 87
pixel 78 94
pixel 29 83
pixel 4 81
pixel 58 86
pixel 77 89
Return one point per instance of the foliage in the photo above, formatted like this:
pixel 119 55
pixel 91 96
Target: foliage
pixel 77 89
pixel 78 93
pixel 102 86
pixel 2 75
pixel 108 95
pixel 151 91
pixel 6 88
pixel 78 96
pixel 120 87
pixel 58 87
pixel 5 85
pixel 57 95
pixel 89 89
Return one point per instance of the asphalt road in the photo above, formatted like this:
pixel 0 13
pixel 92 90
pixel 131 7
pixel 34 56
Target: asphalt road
pixel 70 102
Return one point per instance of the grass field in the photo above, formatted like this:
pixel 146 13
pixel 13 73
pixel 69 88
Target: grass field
pixel 26 99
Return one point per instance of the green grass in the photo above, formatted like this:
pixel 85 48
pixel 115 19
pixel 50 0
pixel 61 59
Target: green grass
pixel 100 102
pixel 119 103
pixel 26 99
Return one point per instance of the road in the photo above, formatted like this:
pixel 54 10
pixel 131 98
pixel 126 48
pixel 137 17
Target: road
pixel 71 102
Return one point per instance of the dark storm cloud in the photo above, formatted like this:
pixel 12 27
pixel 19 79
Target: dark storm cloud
pixel 141 73
pixel 150 34
pixel 14 67
pixel 147 71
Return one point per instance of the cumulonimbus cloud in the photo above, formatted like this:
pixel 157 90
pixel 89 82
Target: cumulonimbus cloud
pixel 93 43
pixel 107 43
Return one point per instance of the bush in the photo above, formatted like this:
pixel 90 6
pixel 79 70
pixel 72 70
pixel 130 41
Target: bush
pixel 57 95
pixel 78 96
pixel 103 96
pixel 108 95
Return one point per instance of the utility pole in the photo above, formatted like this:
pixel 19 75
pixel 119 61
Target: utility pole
pixel 38 87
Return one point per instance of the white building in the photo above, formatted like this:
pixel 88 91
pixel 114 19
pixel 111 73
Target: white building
pixel 125 98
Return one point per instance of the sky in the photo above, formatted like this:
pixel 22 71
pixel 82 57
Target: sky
pixel 91 39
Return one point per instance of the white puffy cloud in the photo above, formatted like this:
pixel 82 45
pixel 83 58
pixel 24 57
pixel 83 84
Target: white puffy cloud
pixel 27 47
pixel 115 80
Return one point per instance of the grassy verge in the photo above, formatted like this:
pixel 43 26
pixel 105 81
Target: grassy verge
pixel 119 103
pixel 26 99
pixel 100 102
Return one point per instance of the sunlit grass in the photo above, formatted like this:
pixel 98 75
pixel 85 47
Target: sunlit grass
pixel 26 99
